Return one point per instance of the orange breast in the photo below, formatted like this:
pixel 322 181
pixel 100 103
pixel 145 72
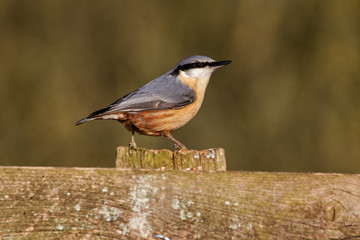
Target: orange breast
pixel 157 121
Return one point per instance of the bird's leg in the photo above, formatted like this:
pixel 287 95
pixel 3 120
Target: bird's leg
pixel 178 145
pixel 132 144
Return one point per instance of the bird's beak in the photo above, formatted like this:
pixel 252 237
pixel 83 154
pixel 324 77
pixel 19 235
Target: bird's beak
pixel 219 64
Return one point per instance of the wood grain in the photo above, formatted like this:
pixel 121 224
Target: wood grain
pixel 75 203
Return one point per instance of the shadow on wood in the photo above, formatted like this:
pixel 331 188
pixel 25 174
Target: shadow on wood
pixel 212 159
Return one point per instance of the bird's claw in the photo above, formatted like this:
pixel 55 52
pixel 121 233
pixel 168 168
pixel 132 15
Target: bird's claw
pixel 178 148
pixel 132 145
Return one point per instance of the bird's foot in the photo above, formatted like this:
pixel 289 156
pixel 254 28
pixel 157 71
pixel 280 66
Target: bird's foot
pixel 132 145
pixel 179 147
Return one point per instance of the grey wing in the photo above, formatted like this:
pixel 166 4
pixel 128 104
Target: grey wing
pixel 159 94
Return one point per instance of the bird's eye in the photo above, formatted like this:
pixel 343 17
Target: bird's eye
pixel 198 65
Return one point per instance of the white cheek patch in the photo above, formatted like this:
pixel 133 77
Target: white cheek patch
pixel 185 74
pixel 199 73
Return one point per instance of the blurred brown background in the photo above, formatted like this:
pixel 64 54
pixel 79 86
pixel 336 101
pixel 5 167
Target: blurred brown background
pixel 290 101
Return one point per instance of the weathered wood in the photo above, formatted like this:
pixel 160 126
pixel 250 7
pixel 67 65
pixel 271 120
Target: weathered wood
pixel 73 203
pixel 212 159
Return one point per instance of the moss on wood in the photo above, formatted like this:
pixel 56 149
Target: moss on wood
pixel 209 159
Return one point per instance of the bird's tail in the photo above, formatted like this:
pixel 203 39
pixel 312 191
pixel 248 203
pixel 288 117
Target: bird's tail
pixel 84 120
pixel 95 115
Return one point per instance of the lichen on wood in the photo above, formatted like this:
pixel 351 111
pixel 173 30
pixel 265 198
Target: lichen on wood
pixel 212 159
pixel 78 203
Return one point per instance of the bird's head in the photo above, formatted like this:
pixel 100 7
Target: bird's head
pixel 197 69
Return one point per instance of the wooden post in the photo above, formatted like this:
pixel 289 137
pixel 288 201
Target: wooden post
pixel 209 159
pixel 78 203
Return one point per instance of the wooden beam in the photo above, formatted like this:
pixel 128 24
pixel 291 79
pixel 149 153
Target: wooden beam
pixel 140 158
pixel 77 203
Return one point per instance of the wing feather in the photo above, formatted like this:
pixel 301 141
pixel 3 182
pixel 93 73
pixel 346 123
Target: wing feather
pixel 166 92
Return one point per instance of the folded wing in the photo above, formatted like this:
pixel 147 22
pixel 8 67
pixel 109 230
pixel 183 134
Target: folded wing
pixel 160 94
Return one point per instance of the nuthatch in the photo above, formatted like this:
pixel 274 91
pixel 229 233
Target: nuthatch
pixel 164 104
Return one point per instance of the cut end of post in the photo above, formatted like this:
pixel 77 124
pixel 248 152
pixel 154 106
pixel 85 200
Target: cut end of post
pixel 212 159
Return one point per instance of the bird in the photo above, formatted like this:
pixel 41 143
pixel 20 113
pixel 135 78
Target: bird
pixel 166 103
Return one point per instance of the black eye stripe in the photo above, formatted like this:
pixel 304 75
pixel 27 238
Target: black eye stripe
pixel 188 66
pixel 194 65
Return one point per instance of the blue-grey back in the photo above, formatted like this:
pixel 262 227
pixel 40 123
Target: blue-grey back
pixel 165 92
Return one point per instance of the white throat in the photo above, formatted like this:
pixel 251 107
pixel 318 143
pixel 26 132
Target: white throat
pixel 200 75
